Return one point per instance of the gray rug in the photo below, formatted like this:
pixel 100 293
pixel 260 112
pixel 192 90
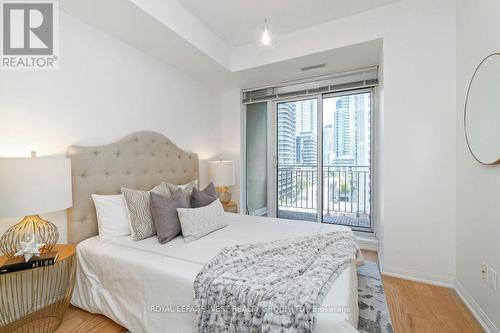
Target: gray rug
pixel 374 315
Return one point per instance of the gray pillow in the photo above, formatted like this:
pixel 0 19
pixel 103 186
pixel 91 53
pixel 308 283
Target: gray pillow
pixel 165 217
pixel 204 197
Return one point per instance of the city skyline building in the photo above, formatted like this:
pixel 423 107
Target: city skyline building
pixel 287 133
pixel 346 132
pixel 306 131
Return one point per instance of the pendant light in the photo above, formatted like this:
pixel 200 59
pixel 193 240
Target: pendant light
pixel 264 36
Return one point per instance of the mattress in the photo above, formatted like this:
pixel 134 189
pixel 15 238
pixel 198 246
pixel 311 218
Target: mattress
pixel 146 286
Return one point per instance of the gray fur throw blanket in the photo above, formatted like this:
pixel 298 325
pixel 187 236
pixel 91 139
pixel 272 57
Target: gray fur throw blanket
pixel 270 287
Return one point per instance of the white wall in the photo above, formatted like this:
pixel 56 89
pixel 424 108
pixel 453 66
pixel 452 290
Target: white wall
pixel 103 90
pixel 378 160
pixel 418 162
pixel 419 140
pixel 478 186
pixel 230 140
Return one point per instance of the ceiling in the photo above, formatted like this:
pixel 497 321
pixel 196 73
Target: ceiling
pixel 157 39
pixel 146 34
pixel 337 60
pixel 235 21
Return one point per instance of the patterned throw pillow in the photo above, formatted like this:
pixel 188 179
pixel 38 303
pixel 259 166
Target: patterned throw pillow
pixel 141 220
pixel 198 222
pixel 186 188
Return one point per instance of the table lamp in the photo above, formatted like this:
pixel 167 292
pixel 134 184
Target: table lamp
pixel 221 173
pixel 28 187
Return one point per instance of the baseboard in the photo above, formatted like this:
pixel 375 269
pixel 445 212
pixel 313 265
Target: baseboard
pixel 367 242
pixel 419 277
pixel 476 310
pixel 380 260
pixel 259 212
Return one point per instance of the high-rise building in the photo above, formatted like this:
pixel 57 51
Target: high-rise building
pixel 344 134
pixel 306 143
pixel 328 144
pixel 307 150
pixel 286 133
pixel 306 117
pixel 363 128
pixel 287 152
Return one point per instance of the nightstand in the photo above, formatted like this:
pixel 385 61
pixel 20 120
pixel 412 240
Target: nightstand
pixel 35 300
pixel 230 207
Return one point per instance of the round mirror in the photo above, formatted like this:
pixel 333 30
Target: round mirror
pixel 482 112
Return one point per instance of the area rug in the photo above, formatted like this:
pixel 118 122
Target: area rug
pixel 374 315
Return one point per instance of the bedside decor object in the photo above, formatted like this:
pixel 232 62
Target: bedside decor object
pixel 221 173
pixel 32 186
pixel 482 112
pixel 29 249
pixel 18 263
pixel 230 207
pixel 35 300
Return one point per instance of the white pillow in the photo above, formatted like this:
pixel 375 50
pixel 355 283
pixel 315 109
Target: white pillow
pixel 187 189
pixel 198 222
pixel 112 216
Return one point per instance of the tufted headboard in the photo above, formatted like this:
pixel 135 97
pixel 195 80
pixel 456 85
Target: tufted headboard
pixel 139 161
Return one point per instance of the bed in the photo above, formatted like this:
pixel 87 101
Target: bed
pixel 146 286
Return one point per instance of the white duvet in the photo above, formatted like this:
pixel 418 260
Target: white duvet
pixel 146 286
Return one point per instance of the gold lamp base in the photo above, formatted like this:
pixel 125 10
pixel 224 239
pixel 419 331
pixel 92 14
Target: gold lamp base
pixel 224 194
pixel 44 231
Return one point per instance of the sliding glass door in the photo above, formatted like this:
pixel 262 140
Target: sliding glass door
pixel 297 159
pixel 322 158
pixel 347 142
pixel 256 159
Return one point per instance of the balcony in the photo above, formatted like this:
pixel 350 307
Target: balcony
pixel 346 194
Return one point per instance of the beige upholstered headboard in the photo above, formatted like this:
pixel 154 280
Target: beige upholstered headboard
pixel 140 161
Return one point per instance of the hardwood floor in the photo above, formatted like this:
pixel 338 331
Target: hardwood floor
pixel 79 321
pixel 414 307
pixel 424 308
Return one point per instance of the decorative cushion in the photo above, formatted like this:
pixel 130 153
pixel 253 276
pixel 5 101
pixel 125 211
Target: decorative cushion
pixel 198 222
pixel 141 220
pixel 112 216
pixel 204 197
pixel 186 188
pixel 164 211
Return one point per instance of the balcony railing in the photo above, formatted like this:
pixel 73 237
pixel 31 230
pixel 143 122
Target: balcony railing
pixel 346 193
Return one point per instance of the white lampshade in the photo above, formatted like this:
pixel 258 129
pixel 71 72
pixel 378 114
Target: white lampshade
pixel 221 173
pixel 31 186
